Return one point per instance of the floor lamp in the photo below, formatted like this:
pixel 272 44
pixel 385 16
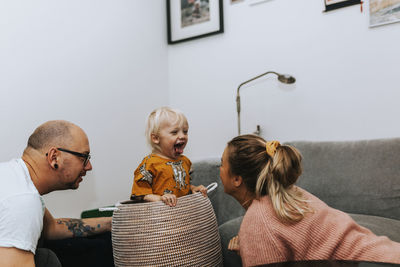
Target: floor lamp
pixel 283 78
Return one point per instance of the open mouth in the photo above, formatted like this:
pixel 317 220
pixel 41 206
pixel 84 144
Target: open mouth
pixel 178 147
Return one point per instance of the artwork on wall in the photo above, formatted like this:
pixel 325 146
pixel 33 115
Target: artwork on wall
pixel 335 4
pixel 256 2
pixel 383 12
pixel 192 19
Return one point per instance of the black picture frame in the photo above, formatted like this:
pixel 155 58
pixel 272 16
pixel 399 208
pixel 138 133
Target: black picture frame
pixel 339 4
pixel 181 27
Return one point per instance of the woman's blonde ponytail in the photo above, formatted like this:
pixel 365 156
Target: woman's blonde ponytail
pixel 285 169
pixel 269 168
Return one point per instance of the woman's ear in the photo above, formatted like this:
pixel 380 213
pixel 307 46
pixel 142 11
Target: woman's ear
pixel 237 181
pixel 155 139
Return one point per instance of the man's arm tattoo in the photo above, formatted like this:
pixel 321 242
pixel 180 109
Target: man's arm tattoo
pixel 77 227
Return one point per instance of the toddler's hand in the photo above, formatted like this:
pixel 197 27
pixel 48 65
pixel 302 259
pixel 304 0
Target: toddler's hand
pixel 169 199
pixel 201 188
pixel 234 245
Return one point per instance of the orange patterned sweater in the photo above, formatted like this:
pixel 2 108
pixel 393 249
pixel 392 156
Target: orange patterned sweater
pixel 326 233
pixel 157 175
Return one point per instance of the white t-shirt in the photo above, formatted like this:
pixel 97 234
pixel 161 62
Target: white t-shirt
pixel 21 207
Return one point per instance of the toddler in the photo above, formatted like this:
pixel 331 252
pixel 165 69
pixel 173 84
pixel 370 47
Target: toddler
pixel 165 173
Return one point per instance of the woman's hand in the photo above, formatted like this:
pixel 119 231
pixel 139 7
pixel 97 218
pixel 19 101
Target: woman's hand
pixel 169 199
pixel 200 188
pixel 234 245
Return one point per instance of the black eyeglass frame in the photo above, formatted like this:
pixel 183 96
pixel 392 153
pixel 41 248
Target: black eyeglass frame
pixel 81 155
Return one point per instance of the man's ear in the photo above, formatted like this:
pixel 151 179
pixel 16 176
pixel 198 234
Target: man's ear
pixel 52 157
pixel 155 139
pixel 237 181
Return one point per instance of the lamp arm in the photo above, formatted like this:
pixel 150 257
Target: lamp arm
pixel 238 95
pixel 255 78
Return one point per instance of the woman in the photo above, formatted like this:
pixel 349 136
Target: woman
pixel 284 222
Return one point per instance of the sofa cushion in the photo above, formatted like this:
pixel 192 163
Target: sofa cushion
pixel 206 172
pixel 354 176
pixel 227 231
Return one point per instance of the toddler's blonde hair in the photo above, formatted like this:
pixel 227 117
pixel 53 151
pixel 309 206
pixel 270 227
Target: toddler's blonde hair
pixel 157 118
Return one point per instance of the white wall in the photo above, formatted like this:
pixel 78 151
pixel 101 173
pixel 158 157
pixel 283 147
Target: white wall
pixel 346 75
pixel 100 64
pixel 94 63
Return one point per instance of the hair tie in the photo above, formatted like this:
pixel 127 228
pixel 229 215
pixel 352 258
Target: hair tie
pixel 271 147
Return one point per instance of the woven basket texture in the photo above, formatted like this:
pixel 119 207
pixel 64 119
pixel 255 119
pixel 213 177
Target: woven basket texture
pixel 154 234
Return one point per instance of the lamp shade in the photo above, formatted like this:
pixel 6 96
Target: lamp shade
pixel 285 78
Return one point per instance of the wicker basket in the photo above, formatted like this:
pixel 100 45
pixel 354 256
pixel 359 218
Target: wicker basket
pixel 154 234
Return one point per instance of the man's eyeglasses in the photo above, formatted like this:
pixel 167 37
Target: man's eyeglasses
pixel 81 155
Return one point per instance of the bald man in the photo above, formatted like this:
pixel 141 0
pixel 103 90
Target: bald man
pixel 57 157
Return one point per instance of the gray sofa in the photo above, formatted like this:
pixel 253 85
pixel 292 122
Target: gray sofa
pixel 361 178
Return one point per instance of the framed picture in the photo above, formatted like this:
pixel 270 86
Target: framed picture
pixel 192 19
pixel 383 12
pixel 335 4
pixel 256 2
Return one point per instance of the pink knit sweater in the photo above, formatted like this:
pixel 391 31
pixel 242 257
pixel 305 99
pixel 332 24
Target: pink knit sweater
pixel 325 234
